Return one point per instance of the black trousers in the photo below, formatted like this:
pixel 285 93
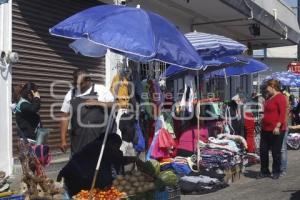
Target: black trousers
pixel 272 142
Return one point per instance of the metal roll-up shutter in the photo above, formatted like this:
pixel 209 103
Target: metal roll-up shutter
pixel 45 59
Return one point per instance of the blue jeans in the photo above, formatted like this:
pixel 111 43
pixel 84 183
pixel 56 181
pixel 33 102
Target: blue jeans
pixel 284 153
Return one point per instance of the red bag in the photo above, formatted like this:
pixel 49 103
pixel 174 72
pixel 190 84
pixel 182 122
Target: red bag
pixel 164 146
pixel 165 140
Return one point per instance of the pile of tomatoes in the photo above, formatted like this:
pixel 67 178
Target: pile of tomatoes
pixel 109 194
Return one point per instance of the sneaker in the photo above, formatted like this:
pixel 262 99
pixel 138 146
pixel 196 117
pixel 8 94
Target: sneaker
pixel 262 175
pixel 282 174
pixel 275 176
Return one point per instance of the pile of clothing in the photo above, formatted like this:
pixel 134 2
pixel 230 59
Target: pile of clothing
pixel 200 184
pixel 180 165
pixel 223 152
pixel 293 141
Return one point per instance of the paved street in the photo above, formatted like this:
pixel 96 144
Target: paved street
pixel 249 188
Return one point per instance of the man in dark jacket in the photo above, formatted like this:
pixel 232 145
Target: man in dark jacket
pixel 78 173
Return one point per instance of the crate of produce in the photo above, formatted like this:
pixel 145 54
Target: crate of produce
pixel 170 193
pixel 13 197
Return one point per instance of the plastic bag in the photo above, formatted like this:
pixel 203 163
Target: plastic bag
pixel 140 146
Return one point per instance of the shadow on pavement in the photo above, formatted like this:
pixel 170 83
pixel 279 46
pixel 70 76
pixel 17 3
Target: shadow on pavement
pixel 295 195
pixel 251 174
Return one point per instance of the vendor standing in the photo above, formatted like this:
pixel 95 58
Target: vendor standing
pixel 87 122
pixel 273 129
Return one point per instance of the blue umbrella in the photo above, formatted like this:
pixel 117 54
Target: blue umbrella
pixel 285 78
pixel 212 64
pixel 252 66
pixel 140 35
pixel 216 50
pixel 215 45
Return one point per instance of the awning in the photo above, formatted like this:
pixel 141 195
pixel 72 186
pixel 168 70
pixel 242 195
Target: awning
pixel 235 18
pixel 3 1
pixel 285 25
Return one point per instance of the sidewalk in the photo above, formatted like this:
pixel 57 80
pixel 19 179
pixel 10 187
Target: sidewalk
pixel 249 188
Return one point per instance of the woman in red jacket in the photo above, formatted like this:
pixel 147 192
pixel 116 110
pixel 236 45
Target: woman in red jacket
pixel 273 129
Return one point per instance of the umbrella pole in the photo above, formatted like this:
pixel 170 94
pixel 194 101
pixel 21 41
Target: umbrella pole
pixel 102 151
pixel 198 123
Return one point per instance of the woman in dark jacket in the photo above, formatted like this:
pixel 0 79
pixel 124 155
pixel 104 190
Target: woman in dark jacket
pixel 27 108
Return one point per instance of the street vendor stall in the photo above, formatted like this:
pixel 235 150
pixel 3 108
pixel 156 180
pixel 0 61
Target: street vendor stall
pixel 218 159
pixel 123 30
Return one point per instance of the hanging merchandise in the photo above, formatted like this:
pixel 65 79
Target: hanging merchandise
pixel 249 129
pixel 146 106
pixel 155 96
pixel 151 148
pixel 189 93
pixel 227 123
pixel 136 80
pixel 163 146
pixel 127 146
pixel 153 139
pixel 169 125
pixel 118 118
pixel 140 146
pixel 120 89
pixel 189 139
pixel 165 140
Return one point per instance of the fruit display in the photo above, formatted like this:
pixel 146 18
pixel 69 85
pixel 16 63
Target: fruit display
pixel 109 194
pixel 150 167
pixel 168 178
pixel 134 183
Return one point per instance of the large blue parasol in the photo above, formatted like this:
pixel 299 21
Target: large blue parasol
pixel 138 34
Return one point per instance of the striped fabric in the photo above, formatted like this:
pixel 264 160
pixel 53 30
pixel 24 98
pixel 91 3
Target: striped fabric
pixel 216 45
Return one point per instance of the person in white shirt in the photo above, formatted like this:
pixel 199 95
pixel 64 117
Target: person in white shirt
pixel 79 112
